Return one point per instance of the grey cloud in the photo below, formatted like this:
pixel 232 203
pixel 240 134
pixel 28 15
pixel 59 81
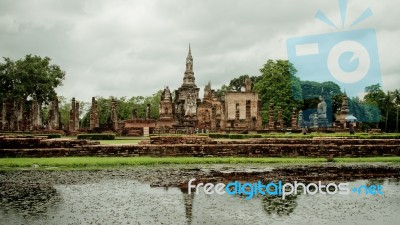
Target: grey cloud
pixel 126 48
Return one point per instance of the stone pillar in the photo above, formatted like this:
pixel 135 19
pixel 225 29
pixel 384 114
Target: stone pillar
pixel 77 115
pixel 20 116
pixel 271 117
pixel 54 116
pixel 294 119
pixel 36 119
pixel 280 118
pixel 74 116
pixel 148 111
pixel 94 115
pixel 13 115
pixel 114 118
pixel 4 115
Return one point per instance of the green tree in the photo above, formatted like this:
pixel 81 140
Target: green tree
pixel 278 84
pixel 396 95
pixel 124 108
pixel 64 107
pixel 236 84
pixel 30 77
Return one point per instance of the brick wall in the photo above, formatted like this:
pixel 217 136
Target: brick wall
pixel 203 147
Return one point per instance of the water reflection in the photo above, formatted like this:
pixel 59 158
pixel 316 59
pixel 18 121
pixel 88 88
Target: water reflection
pixel 28 200
pixel 128 201
pixel 278 205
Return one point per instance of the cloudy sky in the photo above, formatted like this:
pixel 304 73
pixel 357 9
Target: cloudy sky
pixel 129 48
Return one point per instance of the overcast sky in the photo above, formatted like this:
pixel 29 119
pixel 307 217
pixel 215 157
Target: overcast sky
pixel 130 48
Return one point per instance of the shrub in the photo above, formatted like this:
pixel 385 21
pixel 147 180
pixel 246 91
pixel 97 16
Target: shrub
pixel 218 135
pixel 53 136
pixel 238 136
pixel 96 136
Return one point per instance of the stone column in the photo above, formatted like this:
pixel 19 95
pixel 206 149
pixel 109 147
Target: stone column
pixel 77 115
pixel 294 119
pixel 94 115
pixel 4 115
pixel 54 118
pixel 280 118
pixel 12 117
pixel 36 115
pixel 114 118
pixel 271 117
pixel 74 116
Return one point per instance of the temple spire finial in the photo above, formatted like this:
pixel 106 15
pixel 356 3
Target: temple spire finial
pixel 189 56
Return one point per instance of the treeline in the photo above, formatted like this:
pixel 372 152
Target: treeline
pixel 125 107
pixel 34 77
pixel 277 83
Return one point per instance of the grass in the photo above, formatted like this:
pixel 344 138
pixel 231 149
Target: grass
pixel 88 162
pixel 393 159
pixel 119 141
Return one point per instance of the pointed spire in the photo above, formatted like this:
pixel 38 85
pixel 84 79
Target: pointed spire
pixel 189 56
pixel 189 79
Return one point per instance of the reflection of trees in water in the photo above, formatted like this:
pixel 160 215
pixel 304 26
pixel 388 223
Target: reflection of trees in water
pixel 374 182
pixel 274 204
pixel 27 199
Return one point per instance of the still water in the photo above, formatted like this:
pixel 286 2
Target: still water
pixel 125 201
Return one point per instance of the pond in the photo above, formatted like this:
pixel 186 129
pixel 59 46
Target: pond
pixel 119 199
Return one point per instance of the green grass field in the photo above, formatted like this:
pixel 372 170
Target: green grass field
pixel 87 162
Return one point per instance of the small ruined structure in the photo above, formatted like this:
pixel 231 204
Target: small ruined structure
pixel 94 115
pixel 210 112
pixel 74 116
pixel 243 110
pixel 54 119
pixel 21 115
pixel 165 120
pixel 114 117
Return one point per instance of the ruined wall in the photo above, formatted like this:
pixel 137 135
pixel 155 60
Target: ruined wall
pixel 202 146
pixel 242 110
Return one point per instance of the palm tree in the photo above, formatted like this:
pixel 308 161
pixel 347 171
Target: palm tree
pixel 387 102
pixel 396 94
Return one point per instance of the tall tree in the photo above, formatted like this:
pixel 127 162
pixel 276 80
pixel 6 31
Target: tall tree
pixel 396 95
pixel 30 77
pixel 278 84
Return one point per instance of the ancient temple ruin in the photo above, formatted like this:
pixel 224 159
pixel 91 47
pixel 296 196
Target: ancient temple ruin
pixel 187 98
